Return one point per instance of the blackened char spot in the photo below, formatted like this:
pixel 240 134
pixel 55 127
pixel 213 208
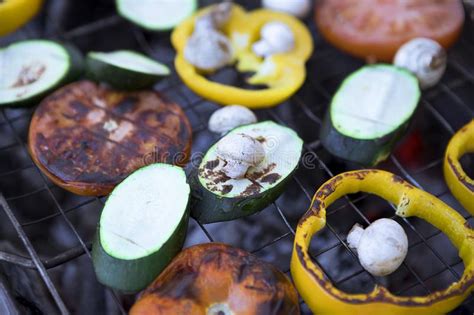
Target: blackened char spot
pixel 397 179
pixel 226 189
pixel 128 104
pixel 256 175
pixel 181 287
pixel 460 177
pixel 270 178
pixel 328 188
pixel 210 165
pixel 80 110
pixel 251 189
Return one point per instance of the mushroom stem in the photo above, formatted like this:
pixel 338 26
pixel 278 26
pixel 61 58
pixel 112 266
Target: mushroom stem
pixel 353 238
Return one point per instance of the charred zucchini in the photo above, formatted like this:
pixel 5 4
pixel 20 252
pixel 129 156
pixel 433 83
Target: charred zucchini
pixel 220 197
pixel 369 113
pixel 142 227
pixel 124 69
pixel 32 68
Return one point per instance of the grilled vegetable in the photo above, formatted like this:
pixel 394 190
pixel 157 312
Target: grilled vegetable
pixel 275 38
pixel 375 29
pixel 323 298
pixel 218 279
pixel 142 227
pixel 282 73
pixel 87 138
pixel 381 247
pixel 298 8
pixel 227 118
pixel 423 57
pixel 125 69
pixel 208 49
pixel 156 15
pixel 16 13
pixel 369 113
pixel 460 184
pixel 26 76
pixel 220 192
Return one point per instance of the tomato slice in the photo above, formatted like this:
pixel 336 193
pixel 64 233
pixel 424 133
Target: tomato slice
pixel 377 28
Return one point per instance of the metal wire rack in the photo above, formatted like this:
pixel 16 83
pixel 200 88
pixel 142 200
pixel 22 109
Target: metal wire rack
pixel 48 230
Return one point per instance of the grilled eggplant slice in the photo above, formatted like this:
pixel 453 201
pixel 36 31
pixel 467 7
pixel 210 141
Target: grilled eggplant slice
pixel 32 68
pixel 142 227
pixel 87 138
pixel 217 279
pixel 218 197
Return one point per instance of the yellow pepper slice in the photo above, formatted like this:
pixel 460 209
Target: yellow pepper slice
pixel 323 298
pixel 16 13
pixel 458 182
pixel 283 73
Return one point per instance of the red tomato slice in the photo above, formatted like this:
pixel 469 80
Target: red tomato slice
pixel 377 28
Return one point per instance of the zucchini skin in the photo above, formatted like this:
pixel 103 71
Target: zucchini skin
pixel 119 78
pixel 208 207
pixel 130 276
pixel 363 152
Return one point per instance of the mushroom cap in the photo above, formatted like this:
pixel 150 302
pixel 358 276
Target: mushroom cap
pixel 425 58
pixel 382 247
pixel 278 35
pixel 241 148
pixel 298 8
pixel 230 117
pixel 208 50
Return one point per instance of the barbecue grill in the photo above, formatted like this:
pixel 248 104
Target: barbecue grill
pixel 46 232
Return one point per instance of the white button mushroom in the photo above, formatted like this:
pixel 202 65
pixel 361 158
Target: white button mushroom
pixel 239 152
pixel 230 117
pixel 425 58
pixel 275 37
pixel 298 8
pixel 381 247
pixel 208 49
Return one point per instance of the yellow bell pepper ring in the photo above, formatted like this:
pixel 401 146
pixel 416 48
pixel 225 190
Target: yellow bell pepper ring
pixel 282 73
pixel 323 298
pixel 16 13
pixel 458 182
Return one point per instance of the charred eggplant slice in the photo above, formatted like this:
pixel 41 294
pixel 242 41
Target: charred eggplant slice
pixel 125 69
pixel 217 279
pixel 156 15
pixel 142 227
pixel 369 113
pixel 87 138
pixel 219 197
pixel 32 68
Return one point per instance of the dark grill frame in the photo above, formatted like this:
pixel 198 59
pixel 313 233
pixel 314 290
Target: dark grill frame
pixel 190 102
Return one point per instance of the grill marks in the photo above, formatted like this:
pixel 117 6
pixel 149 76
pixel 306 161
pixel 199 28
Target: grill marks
pixel 217 273
pixel 88 138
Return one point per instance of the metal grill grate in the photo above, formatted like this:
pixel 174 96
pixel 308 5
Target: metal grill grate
pixel 37 209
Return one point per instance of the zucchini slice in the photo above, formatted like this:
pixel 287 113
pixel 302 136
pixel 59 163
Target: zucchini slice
pixel 369 113
pixel 125 69
pixel 156 15
pixel 142 227
pixel 32 68
pixel 220 198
